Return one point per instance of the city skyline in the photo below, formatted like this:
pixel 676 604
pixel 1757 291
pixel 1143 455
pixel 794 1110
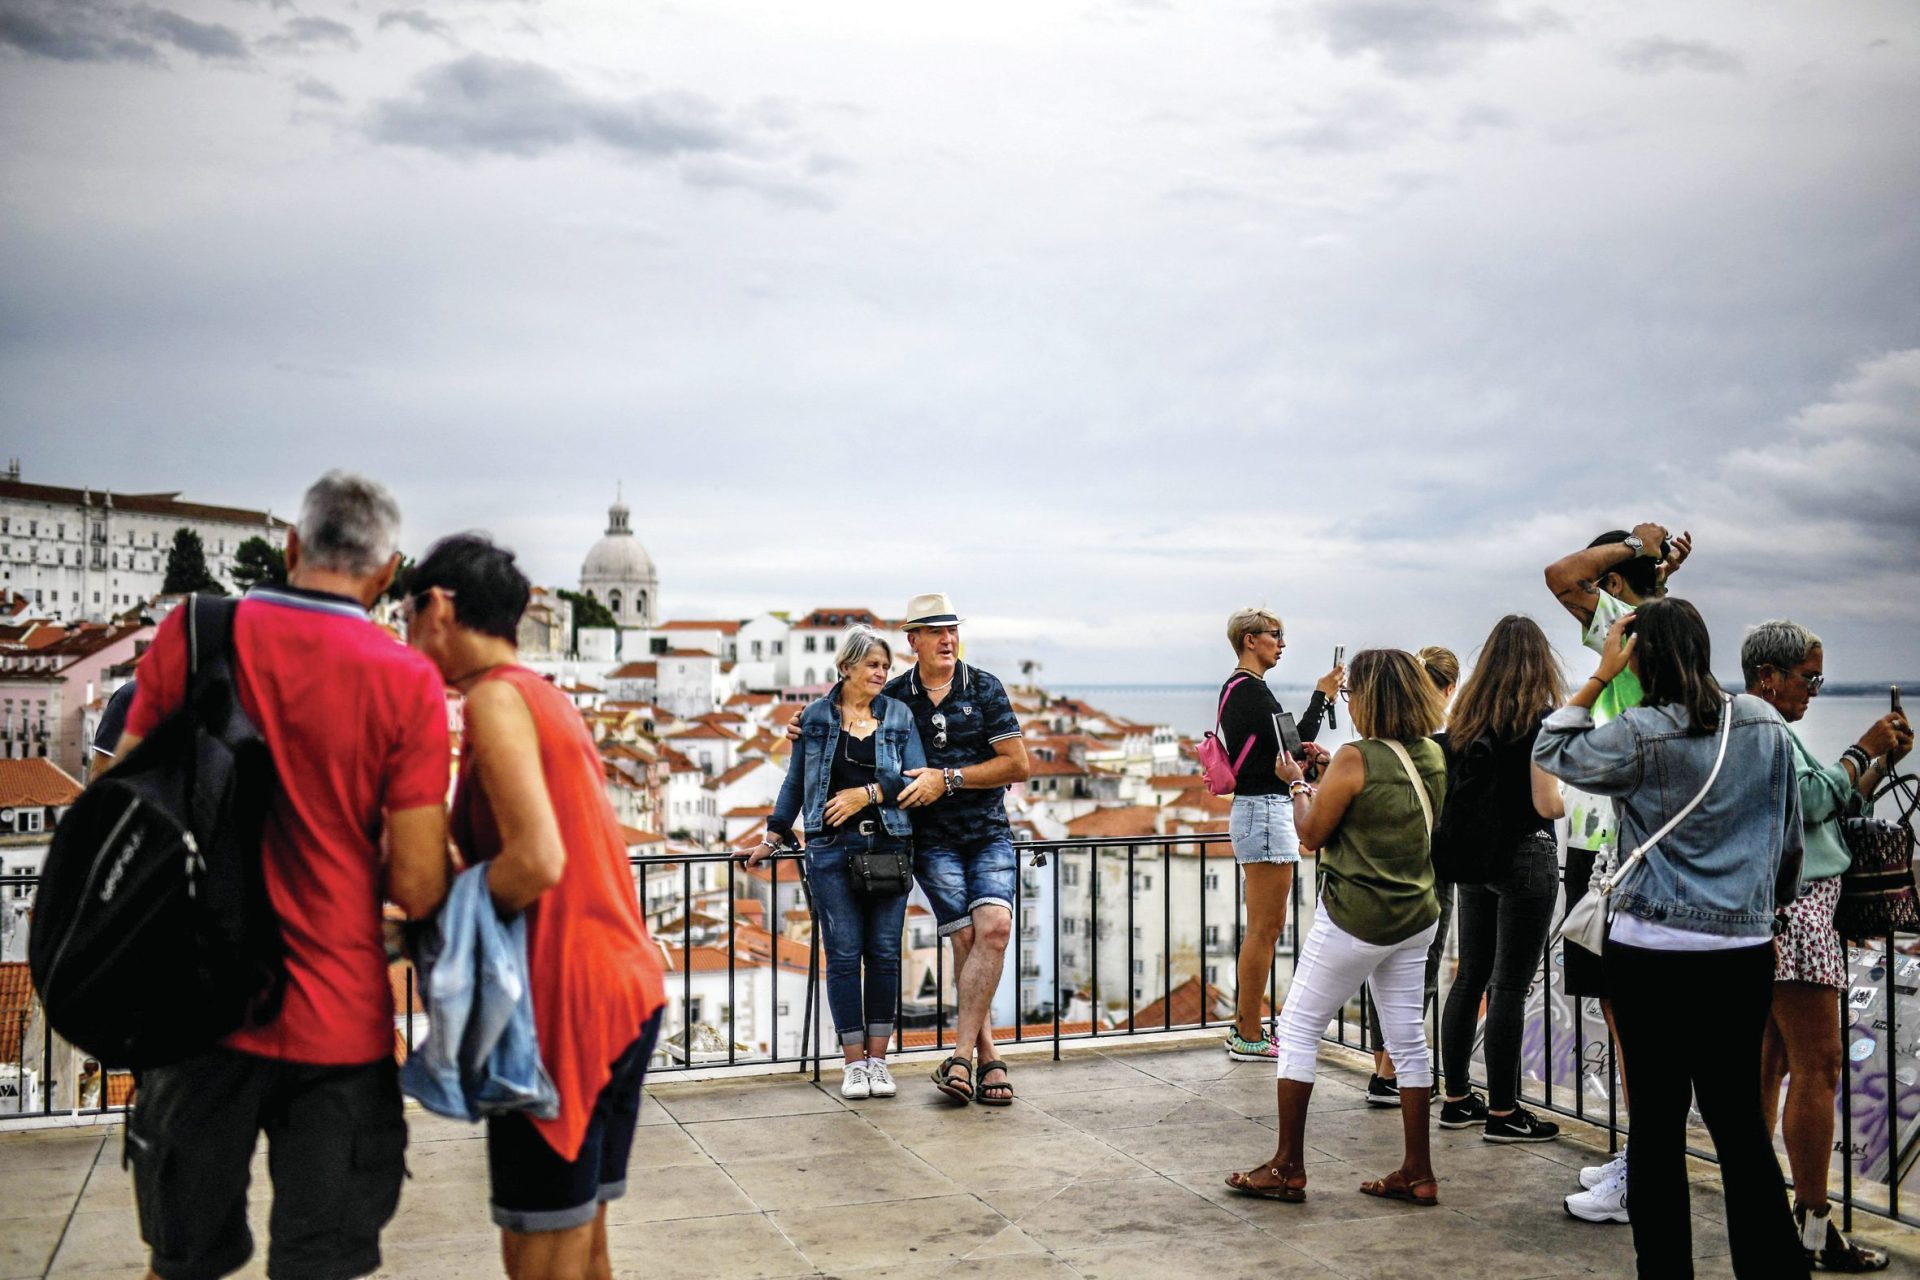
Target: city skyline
pixel 1104 320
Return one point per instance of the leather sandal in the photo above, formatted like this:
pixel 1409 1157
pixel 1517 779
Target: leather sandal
pixel 997 1093
pixel 1287 1189
pixel 1397 1186
pixel 959 1088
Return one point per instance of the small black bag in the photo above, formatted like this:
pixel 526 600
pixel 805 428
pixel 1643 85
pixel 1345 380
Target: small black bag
pixel 1877 895
pixel 152 933
pixel 882 873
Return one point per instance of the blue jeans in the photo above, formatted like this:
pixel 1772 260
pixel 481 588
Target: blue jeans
pixel 856 928
pixel 957 878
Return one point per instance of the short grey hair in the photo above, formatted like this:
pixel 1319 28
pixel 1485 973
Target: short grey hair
pixel 348 524
pixel 1776 643
pixel 1247 621
pixel 860 642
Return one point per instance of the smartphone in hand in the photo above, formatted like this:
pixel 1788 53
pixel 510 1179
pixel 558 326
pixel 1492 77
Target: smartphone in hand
pixel 1288 734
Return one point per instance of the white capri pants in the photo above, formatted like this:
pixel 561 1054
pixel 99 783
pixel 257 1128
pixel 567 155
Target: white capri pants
pixel 1333 964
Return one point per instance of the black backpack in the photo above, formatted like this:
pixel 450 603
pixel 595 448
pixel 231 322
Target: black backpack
pixel 152 934
pixel 1474 841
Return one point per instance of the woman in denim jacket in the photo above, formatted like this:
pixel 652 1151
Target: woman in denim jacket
pixel 1689 952
pixel 843 784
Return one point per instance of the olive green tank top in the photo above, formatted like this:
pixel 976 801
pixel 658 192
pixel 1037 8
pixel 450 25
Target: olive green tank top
pixel 1376 872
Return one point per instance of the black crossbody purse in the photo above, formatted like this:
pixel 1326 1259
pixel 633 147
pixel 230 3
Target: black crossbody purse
pixel 882 872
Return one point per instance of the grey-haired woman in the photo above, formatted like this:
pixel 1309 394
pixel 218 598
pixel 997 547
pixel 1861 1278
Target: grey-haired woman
pixel 843 786
pixel 1784 664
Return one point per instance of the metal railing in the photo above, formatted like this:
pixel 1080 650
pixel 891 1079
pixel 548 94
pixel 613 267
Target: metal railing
pixel 1081 908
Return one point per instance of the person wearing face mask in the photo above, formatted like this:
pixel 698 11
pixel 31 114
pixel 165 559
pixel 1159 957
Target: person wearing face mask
pixel 1265 844
pixel 843 785
pixel 1784 665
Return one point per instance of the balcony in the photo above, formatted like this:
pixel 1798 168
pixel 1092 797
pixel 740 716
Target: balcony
pixel 1110 1164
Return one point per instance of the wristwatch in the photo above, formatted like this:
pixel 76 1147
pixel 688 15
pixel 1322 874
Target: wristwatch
pixel 1634 543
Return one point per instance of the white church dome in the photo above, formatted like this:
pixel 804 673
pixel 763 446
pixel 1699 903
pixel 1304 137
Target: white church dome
pixel 619 573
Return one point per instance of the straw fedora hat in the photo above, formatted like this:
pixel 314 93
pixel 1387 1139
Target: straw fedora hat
pixel 931 610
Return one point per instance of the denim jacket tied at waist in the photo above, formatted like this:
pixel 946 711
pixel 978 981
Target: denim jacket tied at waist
pixel 481 1056
pixel 1732 860
pixel 809 782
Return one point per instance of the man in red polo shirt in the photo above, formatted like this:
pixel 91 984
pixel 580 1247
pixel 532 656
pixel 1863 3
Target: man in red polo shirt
pixel 358 729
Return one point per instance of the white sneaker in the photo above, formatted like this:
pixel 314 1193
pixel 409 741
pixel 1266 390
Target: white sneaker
pixel 879 1079
pixel 1604 1203
pixel 854 1083
pixel 1595 1174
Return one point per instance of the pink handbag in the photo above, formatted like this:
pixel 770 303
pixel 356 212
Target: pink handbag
pixel 1221 775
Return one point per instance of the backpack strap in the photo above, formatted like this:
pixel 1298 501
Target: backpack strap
pixel 209 640
pixel 1220 716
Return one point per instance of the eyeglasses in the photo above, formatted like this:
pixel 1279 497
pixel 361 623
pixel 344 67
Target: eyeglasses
pixel 1346 694
pixel 1813 680
pixel 1277 635
pixel 410 606
pixel 939 722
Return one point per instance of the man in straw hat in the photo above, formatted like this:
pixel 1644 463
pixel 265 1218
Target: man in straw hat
pixel 963 848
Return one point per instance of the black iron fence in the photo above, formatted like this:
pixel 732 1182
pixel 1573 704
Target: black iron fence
pixel 1111 938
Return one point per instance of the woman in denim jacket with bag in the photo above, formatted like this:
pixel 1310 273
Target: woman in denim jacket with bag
pixel 1689 950
pixel 843 784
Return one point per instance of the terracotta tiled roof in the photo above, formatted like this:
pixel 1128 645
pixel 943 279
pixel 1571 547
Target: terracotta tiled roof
pixel 1054 768
pixel 1128 820
pixel 35 782
pixel 724 628
pixel 736 773
pixel 749 811
pixel 820 618
pixel 1202 800
pixel 784 713
pixel 634 835
pixel 119 1088
pixel 16 1003
pixel 704 732
pixel 1185 1001
pixel 635 671
pixel 688 653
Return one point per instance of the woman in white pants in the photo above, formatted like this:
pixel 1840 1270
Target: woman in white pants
pixel 1371 821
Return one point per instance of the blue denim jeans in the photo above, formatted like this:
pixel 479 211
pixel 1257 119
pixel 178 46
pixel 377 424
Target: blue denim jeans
pixel 957 878
pixel 856 929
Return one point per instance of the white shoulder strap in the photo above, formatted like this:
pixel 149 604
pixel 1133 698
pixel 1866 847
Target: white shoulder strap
pixel 1413 776
pixel 1726 729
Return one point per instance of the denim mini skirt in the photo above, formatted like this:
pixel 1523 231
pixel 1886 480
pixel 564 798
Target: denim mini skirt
pixel 1261 828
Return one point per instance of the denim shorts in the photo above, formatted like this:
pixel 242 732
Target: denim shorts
pixel 1261 828
pixel 958 878
pixel 534 1189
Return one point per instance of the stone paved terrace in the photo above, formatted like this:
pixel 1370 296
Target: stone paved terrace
pixel 1110 1166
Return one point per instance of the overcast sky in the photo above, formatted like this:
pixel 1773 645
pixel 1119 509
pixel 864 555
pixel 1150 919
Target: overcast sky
pixel 1104 316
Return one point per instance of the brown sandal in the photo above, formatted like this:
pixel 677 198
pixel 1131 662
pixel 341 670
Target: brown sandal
pixel 1397 1186
pixel 998 1094
pixel 1286 1189
pixel 959 1088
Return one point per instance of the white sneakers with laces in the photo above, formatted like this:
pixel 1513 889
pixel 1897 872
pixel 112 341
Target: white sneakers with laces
pixel 854 1082
pixel 1595 1174
pixel 1606 1200
pixel 879 1079
pixel 867 1079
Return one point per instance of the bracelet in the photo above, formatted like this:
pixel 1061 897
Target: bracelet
pixel 1297 789
pixel 873 793
pixel 1861 760
pixel 1604 682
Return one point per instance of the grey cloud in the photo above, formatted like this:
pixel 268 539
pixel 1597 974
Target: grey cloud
pixel 76 31
pixel 1359 122
pixel 418 20
pixel 1482 116
pixel 207 39
pixel 1423 38
pixel 302 33
pixel 479 105
pixel 315 90
pixel 1657 54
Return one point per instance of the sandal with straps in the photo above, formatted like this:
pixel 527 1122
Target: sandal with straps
pixel 996 1094
pixel 959 1088
pixel 1291 1187
pixel 1397 1186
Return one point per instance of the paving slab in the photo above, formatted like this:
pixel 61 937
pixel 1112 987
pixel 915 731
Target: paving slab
pixel 871 1235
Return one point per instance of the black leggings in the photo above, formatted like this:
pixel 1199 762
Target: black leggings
pixel 1691 1023
pixel 1503 926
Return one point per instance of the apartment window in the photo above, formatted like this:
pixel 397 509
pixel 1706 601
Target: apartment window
pixel 1213 882
pixel 33 819
pixel 1213 974
pixel 756 650
pixel 812 644
pixel 1213 935
pixel 779 647
pixel 695 1007
pixel 1069 927
pixel 1142 881
pixel 781 1008
pixel 1137 936
pixel 1070 873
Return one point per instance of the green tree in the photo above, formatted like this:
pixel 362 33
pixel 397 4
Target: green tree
pixel 257 561
pixel 187 567
pixel 587 612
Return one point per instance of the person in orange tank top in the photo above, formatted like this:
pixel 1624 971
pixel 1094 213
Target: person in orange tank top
pixel 532 805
